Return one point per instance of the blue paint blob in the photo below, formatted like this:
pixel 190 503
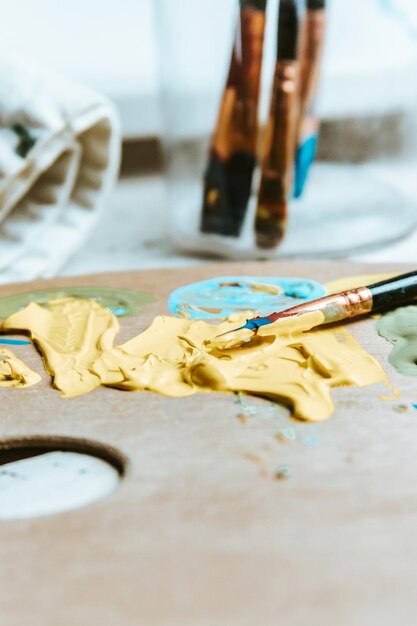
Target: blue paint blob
pixel 220 297
pixel 415 406
pixel 120 311
pixel 311 441
pixel 304 158
pixel 14 342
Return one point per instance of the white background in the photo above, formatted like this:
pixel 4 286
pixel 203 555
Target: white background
pixel 112 46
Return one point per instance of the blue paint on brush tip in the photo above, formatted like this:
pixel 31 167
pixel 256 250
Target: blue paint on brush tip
pixel 304 158
pixel 14 342
pixel 257 323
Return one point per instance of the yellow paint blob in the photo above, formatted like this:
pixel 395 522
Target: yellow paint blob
pixel 352 282
pixel 14 373
pixel 290 360
pixel 272 290
pixel 71 333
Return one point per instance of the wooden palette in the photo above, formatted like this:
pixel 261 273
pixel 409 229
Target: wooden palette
pixel 197 534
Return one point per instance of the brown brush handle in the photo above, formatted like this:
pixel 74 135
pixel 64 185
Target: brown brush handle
pixel 278 162
pixel 237 121
pixel 232 158
pixel 312 43
pixel 385 295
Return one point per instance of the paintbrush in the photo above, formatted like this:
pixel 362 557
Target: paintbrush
pixel 382 296
pixel 312 42
pixel 280 138
pixel 232 158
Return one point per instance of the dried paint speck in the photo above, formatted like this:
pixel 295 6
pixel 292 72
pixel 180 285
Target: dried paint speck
pixel 256 458
pixel 311 440
pixel 287 434
pixel 284 471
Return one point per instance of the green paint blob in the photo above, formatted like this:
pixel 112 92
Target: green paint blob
pixel 121 302
pixel 400 327
pixel 400 408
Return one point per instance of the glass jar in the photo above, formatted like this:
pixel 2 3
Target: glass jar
pixel 353 198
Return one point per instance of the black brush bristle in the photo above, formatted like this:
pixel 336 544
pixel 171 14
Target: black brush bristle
pixel 240 168
pixel 226 193
pixel 316 5
pixel 257 5
pixel 215 201
pixel 288 28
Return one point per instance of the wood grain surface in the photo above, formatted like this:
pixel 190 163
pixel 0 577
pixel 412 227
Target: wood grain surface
pixel 195 535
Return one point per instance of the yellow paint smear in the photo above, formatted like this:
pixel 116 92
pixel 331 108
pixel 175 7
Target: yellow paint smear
pixel 352 282
pixel 71 334
pixel 272 290
pixel 14 373
pixel 176 357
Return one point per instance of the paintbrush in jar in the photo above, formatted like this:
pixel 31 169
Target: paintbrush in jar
pixel 381 296
pixel 278 161
pixel 312 43
pixel 232 157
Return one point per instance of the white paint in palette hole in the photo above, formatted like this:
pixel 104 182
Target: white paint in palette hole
pixel 53 482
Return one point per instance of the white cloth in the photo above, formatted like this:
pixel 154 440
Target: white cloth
pixel 51 198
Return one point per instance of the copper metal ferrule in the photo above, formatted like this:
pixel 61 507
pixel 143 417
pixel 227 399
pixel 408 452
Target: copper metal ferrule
pixel 336 307
pixel 280 130
pixel 277 167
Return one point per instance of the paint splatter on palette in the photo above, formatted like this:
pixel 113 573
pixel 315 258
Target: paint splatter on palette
pixel 290 361
pixel 220 297
pixel 293 360
pixel 193 508
pixel 121 302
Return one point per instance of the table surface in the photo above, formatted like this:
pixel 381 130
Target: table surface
pixel 199 533
pixel 131 234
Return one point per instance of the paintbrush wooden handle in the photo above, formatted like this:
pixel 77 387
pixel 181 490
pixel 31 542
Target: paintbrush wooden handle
pixel 312 43
pixel 280 140
pixel 278 162
pixel 381 296
pixel 232 158
pixel 388 294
